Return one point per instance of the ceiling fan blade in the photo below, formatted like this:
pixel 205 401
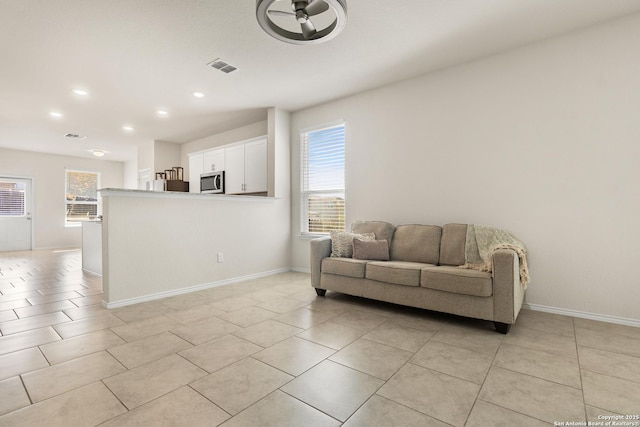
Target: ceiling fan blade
pixel 316 7
pixel 308 29
pixel 280 13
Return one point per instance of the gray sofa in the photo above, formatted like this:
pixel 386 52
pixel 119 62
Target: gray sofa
pixel 423 271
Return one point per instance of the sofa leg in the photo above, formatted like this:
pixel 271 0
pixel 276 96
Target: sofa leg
pixel 320 292
pixel 503 328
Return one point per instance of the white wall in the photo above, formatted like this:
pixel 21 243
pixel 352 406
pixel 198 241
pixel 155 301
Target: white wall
pixel 278 153
pixel 542 141
pixel 48 174
pixel 145 156
pixel 131 174
pixel 166 155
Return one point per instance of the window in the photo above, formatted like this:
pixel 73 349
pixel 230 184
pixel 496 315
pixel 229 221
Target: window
pixel 323 207
pixel 81 196
pixel 12 201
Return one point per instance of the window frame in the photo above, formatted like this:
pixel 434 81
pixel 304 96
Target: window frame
pixel 304 193
pixel 98 202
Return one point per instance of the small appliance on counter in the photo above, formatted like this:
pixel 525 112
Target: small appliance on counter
pixel 171 180
pixel 212 183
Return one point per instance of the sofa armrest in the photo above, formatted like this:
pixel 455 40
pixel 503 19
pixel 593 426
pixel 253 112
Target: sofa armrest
pixel 507 289
pixel 320 248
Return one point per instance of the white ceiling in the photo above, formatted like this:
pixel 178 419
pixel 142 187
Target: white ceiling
pixel 137 56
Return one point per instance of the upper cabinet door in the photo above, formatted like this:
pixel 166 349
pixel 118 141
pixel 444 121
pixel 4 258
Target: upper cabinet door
pixel 195 170
pixel 214 160
pixel 234 169
pixel 255 166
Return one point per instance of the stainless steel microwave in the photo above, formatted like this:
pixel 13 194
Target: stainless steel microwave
pixel 212 183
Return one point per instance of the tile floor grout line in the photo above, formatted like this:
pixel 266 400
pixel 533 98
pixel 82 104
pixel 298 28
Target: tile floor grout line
pixel 116 397
pixel 26 390
pixel 475 401
pixel 580 370
pixel 309 404
pixel 510 410
pixel 537 378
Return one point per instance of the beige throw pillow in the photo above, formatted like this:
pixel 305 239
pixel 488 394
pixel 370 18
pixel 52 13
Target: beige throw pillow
pixel 374 250
pixel 342 242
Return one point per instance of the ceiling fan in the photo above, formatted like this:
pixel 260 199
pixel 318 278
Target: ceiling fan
pixel 319 20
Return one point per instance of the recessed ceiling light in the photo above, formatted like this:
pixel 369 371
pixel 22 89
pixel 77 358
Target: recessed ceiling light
pixel 56 114
pixel 98 153
pixel 80 92
pixel 198 94
pixel 127 128
pixel 162 113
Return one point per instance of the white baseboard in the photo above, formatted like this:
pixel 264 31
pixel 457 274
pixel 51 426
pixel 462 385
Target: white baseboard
pixel 181 291
pixel 583 314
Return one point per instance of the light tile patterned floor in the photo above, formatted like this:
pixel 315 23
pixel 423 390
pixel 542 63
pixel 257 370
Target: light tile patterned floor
pixel 269 352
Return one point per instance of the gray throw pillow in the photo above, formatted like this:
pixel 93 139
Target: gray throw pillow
pixel 342 242
pixel 374 250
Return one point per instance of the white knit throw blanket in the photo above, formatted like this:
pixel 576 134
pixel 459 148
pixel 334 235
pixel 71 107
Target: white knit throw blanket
pixel 483 241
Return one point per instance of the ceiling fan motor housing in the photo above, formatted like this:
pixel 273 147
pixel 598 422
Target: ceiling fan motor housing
pixel 299 5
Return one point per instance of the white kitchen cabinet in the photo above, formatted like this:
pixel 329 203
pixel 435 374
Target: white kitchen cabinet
pixel 214 160
pixel 246 168
pixel 196 162
pixel 234 169
pixel 255 166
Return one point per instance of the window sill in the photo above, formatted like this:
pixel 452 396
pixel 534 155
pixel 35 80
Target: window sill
pixel 311 236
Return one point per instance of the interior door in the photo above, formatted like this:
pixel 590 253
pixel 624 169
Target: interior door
pixel 15 214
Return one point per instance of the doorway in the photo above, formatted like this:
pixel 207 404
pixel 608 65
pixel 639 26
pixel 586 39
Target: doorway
pixel 15 214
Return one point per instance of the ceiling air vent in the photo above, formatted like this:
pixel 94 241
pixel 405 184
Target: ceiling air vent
pixel 74 136
pixel 219 64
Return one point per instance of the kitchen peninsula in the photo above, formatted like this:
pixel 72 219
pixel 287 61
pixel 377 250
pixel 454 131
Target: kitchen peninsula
pixel 159 244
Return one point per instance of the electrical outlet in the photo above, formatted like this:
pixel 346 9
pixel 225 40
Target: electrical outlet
pixel 220 257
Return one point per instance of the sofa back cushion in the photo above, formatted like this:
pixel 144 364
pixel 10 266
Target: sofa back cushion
pixel 452 247
pixel 377 250
pixel 382 230
pixel 416 243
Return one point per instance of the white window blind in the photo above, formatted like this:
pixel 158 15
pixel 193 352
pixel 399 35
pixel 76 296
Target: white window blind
pixel 323 189
pixel 12 199
pixel 81 196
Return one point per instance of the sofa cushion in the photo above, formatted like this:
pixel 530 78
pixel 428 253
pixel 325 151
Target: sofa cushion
pixel 344 266
pixel 416 243
pixel 382 230
pixel 457 280
pixel 342 242
pixel 377 250
pixel 452 245
pixel 396 272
